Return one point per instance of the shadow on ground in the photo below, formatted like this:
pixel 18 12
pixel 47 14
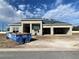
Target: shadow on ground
pixel 33 39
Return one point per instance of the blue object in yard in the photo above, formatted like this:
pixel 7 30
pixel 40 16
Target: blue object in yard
pixel 19 38
pixel 27 37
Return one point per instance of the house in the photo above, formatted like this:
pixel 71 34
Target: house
pixel 41 27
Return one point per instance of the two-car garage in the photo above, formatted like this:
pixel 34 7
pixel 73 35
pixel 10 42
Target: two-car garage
pixel 65 30
pixel 61 30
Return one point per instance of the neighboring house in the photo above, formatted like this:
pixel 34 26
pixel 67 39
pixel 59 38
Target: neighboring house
pixel 41 27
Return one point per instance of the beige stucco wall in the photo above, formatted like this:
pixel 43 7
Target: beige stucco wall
pixel 11 28
pixel 40 31
pixel 41 27
pixel 32 22
pixel 68 33
pixel 52 29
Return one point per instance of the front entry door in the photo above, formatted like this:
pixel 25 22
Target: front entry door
pixel 26 28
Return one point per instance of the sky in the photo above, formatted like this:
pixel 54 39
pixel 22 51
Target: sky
pixel 60 10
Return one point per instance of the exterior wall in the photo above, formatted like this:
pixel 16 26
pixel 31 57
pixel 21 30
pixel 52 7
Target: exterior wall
pixel 52 29
pixel 68 33
pixel 31 30
pixel 41 27
pixel 75 32
pixel 11 28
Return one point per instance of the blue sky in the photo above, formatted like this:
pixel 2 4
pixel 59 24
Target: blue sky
pixel 61 10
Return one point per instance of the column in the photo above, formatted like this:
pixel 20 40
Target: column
pixel 51 30
pixel 30 28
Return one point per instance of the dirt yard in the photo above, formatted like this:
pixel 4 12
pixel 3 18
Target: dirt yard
pixel 6 43
pixel 56 42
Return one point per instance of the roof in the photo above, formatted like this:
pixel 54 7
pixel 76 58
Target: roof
pixel 16 24
pixel 55 23
pixel 45 22
pixel 32 19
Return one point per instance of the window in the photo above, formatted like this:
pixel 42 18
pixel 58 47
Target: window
pixel 15 29
pixel 35 26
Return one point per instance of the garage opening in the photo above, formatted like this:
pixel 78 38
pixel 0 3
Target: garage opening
pixel 61 30
pixel 46 31
pixel 26 28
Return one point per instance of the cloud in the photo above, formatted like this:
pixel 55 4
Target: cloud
pixel 63 13
pixel 21 7
pixel 75 5
pixel 6 11
pixel 28 6
pixel 20 14
pixel 58 2
pixel 9 13
pixel 28 14
pixel 38 13
pixel 38 9
pixel 44 6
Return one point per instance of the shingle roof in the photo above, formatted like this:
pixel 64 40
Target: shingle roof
pixel 45 22
pixel 17 23
pixel 54 23
pixel 32 19
pixel 14 24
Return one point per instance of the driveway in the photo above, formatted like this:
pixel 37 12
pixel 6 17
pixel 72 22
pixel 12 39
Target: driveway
pixel 56 42
pixel 55 45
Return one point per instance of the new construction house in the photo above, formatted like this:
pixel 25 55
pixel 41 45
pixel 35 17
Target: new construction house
pixel 41 27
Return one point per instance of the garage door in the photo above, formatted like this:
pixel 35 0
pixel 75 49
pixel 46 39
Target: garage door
pixel 46 31
pixel 61 30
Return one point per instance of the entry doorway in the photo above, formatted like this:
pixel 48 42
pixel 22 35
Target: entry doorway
pixel 26 28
